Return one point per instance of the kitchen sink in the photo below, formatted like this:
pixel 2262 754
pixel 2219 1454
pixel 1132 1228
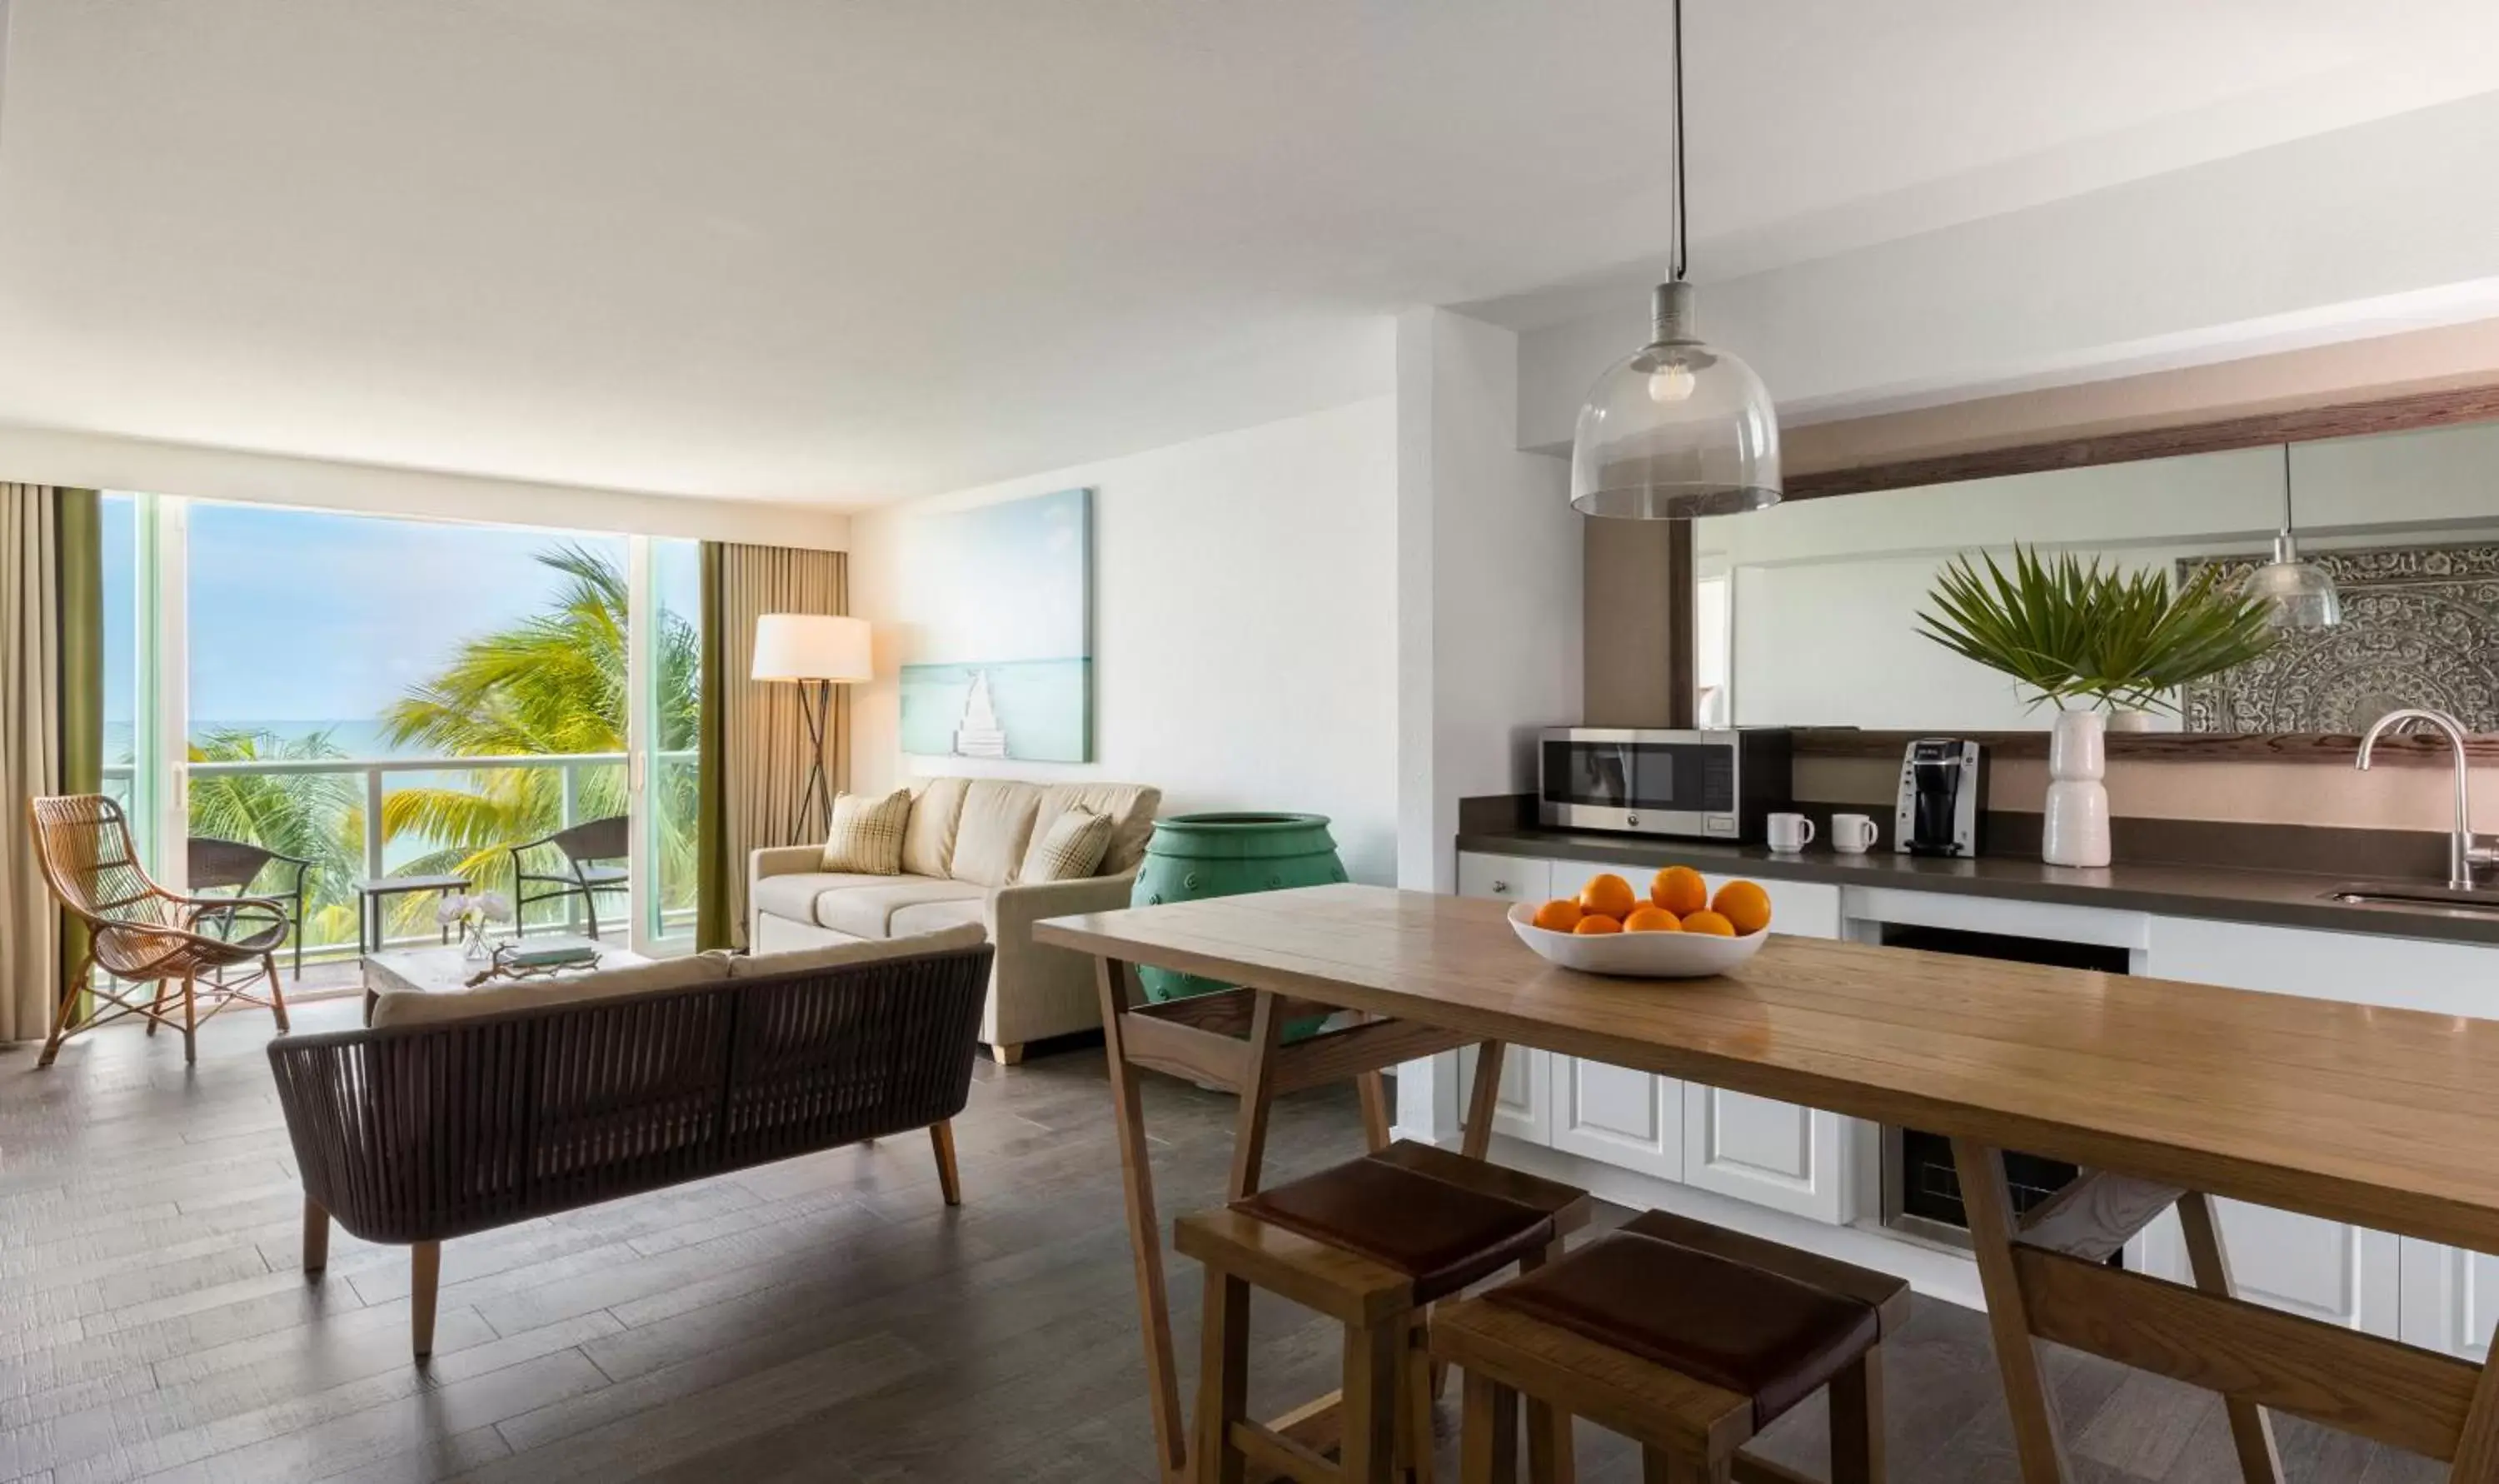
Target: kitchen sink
pixel 2417 895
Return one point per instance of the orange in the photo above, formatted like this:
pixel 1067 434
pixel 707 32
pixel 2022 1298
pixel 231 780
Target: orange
pixel 1608 895
pixel 1706 921
pixel 1597 923
pixel 1744 904
pixel 1558 916
pixel 1679 890
pixel 1652 919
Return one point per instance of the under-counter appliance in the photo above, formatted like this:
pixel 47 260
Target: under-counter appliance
pixel 1698 785
pixel 1921 1183
pixel 1941 780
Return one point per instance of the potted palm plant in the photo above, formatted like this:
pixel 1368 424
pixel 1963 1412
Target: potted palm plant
pixel 2089 640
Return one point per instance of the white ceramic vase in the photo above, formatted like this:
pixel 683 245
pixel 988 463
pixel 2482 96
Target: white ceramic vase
pixel 2076 828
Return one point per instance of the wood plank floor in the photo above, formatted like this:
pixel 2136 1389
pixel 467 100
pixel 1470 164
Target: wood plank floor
pixel 822 1319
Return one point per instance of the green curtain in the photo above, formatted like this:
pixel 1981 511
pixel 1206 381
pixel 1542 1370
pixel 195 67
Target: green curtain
pixel 715 921
pixel 80 563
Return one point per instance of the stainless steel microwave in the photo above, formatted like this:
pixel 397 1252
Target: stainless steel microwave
pixel 1698 785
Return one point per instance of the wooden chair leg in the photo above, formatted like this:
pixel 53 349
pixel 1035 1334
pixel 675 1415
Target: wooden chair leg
pixel 1551 1457
pixel 425 1274
pixel 1857 1455
pixel 1488 1435
pixel 157 1006
pixel 941 1137
pixel 1222 1381
pixel 316 1237
pixel 71 988
pixel 276 996
pixel 1414 1397
pixel 190 1019
pixel 1373 1360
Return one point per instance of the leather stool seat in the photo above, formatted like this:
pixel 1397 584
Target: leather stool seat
pixel 1757 1334
pixel 1441 1219
pixel 1371 1242
pixel 1686 1336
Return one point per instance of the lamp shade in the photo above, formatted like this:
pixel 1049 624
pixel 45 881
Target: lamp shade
pixel 1676 429
pixel 2299 595
pixel 811 646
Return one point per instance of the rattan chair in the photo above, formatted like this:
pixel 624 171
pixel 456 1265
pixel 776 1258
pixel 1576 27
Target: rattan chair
pixel 233 866
pixel 142 934
pixel 586 849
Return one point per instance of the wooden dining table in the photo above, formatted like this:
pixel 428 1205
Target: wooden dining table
pixel 2165 1094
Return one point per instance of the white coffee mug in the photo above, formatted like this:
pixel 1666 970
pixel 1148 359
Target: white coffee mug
pixel 1790 833
pixel 1852 834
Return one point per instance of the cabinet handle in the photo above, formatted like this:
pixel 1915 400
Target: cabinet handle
pixel 1500 888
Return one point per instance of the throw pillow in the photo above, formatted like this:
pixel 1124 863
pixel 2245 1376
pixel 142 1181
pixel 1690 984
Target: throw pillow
pixel 1074 846
pixel 867 836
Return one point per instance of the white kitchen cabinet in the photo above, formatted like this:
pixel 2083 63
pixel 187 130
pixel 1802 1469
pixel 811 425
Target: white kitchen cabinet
pixel 2332 1271
pixel 2329 1271
pixel 1777 1154
pixel 1614 1114
pixel 1506 878
pixel 1618 1115
pixel 1771 1153
pixel 2451 1298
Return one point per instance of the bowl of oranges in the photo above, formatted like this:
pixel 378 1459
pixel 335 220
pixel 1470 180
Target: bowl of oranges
pixel 1681 929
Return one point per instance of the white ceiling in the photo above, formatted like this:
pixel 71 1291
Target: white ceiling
pixel 848 252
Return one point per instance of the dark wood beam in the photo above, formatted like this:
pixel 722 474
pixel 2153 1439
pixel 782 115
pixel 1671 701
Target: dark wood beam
pixel 2340 420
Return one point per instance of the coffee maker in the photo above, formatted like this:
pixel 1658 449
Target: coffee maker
pixel 1941 780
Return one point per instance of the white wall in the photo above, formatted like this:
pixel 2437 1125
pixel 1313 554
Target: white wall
pixel 1245 647
pixel 1489 592
pixel 92 461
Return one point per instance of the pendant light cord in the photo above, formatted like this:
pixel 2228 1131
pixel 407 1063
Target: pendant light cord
pixel 2286 487
pixel 1674 269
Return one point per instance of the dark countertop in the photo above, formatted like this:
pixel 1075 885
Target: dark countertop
pixel 2222 893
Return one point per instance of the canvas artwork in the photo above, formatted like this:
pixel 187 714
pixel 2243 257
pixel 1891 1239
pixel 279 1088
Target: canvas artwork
pixel 1003 648
pixel 2421 628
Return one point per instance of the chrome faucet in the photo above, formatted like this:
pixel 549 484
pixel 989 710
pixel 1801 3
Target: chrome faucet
pixel 2463 851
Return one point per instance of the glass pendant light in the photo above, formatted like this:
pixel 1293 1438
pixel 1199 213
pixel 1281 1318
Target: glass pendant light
pixel 1680 427
pixel 2299 595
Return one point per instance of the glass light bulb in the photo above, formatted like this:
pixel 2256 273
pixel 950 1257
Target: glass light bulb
pixel 1670 383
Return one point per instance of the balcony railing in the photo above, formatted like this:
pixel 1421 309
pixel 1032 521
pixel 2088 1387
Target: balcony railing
pixel 376 849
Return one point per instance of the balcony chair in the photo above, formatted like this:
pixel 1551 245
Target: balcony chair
pixel 233 866
pixel 586 848
pixel 141 933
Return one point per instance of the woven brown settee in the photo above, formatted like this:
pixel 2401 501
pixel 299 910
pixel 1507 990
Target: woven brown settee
pixel 422 1133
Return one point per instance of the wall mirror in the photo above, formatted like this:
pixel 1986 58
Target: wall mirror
pixel 1807 612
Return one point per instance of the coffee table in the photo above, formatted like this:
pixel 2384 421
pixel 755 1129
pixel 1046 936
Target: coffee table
pixel 447 969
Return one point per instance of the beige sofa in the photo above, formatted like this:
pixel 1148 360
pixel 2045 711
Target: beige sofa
pixel 963 855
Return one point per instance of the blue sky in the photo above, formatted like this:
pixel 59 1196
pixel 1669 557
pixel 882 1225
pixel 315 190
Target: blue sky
pixel 301 615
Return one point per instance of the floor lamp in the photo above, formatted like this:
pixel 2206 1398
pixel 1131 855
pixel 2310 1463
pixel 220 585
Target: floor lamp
pixel 816 651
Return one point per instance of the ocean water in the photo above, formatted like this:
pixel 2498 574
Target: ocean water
pixel 362 738
pixel 1044 707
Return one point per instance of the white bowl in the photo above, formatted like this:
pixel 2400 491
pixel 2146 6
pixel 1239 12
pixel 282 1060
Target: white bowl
pixel 1635 955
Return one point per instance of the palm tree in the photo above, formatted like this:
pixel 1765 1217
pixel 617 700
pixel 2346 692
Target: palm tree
pixel 319 816
pixel 550 685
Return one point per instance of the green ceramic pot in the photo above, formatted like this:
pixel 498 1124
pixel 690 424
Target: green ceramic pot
pixel 1192 857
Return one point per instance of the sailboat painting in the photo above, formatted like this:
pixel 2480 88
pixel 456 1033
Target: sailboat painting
pixel 999 604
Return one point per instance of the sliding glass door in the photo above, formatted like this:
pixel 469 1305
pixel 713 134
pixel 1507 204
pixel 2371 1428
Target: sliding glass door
pixel 385 698
pixel 667 730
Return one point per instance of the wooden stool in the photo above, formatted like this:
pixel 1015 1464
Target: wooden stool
pixel 1369 1243
pixel 1684 1336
